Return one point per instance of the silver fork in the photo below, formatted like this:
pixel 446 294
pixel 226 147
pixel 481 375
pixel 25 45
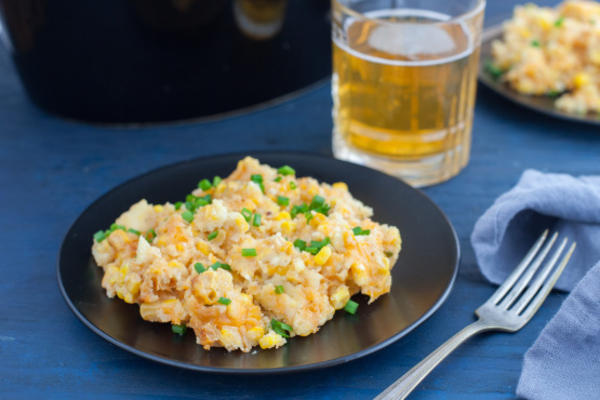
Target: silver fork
pixel 508 310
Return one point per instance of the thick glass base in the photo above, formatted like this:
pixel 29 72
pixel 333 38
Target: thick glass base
pixel 417 172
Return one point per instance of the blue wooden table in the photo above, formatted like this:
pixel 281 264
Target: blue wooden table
pixel 51 169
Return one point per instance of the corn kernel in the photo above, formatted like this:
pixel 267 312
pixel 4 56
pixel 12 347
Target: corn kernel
pixel 134 287
pixel 318 219
pixel 158 208
pixel 256 332
pixel 220 188
pixel 288 226
pixel 340 185
pixel 174 264
pixel 271 340
pixel 241 223
pixel 340 297
pixel 283 215
pixel 179 247
pixel 323 255
pixel 581 79
pixel 161 242
pixel 359 274
pixel 203 248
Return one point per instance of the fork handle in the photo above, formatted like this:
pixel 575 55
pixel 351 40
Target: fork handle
pixel 407 383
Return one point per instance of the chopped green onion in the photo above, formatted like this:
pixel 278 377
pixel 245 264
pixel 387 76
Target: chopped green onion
pixel 493 69
pixel 558 23
pixel 114 227
pixel 293 185
pixel 100 236
pixel 247 214
pixel 283 201
pixel 212 235
pixel 199 268
pixel 226 267
pixel 299 209
pixel 553 93
pixel 351 307
pixel 178 205
pixel 358 231
pixel 188 216
pixel 179 329
pixel 256 220
pixel 318 204
pixel 300 244
pixel 286 170
pixel 218 265
pixel 204 184
pixel 281 328
pixel 216 180
pixel 278 179
pixel 249 252
pixel 308 216
pixel 279 289
pixel 312 250
pixel 224 301
pixel 256 178
pixel 535 43
pixel 151 234
pixel 134 231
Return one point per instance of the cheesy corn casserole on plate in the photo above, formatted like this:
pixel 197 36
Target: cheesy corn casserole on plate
pixel 552 52
pixel 249 260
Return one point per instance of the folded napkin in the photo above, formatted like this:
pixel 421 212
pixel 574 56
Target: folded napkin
pixel 564 362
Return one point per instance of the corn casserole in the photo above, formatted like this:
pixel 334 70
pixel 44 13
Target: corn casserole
pixel 250 260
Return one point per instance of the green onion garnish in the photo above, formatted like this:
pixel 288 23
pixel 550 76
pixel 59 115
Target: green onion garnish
pixel 535 43
pixel 286 170
pixel 293 185
pixel 358 231
pixel 188 216
pixel 199 268
pixel 216 180
pixel 281 328
pixel 178 205
pixel 258 179
pixel 134 231
pixel 218 265
pixel 212 235
pixel 302 208
pixel 558 23
pixel 278 179
pixel 151 234
pixel 256 220
pixel 247 214
pixel 279 289
pixel 493 70
pixel 249 252
pixel 179 329
pixel 300 244
pixel 351 307
pixel 100 236
pixel 283 201
pixel 204 184
pixel 224 300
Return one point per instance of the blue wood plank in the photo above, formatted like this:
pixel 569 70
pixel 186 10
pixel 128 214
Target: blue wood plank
pixel 51 169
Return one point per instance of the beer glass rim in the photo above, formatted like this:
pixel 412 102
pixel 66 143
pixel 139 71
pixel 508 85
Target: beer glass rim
pixel 476 9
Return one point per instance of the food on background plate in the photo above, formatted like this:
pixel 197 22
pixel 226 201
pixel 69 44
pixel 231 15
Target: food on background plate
pixel 553 52
pixel 253 259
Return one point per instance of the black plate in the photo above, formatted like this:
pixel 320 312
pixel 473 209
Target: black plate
pixel 543 104
pixel 422 277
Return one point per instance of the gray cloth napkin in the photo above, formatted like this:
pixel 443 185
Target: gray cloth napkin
pixel 564 362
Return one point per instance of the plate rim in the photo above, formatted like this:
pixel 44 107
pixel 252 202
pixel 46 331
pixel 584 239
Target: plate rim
pixel 494 32
pixel 258 371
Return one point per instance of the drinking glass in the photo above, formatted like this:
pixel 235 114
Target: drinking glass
pixel 403 85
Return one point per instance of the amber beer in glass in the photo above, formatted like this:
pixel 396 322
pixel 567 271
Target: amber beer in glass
pixel 403 85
